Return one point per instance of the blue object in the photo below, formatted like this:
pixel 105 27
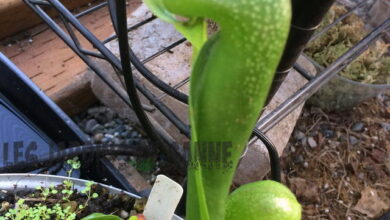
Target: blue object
pixel 31 124
pixel 20 140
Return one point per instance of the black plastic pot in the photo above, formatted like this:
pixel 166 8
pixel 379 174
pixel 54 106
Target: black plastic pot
pixel 31 124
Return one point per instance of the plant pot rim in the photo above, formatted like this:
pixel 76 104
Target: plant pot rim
pixel 24 181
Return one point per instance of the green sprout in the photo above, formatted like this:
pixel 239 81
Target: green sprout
pixel 59 211
pixel 88 191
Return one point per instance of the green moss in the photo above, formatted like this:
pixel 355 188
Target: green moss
pixel 372 67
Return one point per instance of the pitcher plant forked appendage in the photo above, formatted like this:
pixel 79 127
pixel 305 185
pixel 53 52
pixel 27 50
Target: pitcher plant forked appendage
pixel 230 80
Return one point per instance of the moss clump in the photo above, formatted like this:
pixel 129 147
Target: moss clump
pixel 372 67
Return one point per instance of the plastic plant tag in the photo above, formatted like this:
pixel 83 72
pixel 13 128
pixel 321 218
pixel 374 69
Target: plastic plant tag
pixel 163 199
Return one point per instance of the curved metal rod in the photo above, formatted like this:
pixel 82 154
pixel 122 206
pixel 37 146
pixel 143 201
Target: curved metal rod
pixel 111 58
pixel 121 22
pixel 108 80
pixel 273 155
pixel 271 119
pixel 141 67
pixel 157 81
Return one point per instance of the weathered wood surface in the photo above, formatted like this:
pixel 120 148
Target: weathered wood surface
pixel 54 67
pixel 16 16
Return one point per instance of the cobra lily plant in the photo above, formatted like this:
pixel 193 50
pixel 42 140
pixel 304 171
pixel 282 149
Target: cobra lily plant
pixel 231 76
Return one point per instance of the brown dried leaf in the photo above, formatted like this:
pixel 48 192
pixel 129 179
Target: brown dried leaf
pixel 304 190
pixel 378 155
pixel 371 204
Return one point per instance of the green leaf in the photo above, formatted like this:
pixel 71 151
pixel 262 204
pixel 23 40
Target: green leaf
pixel 194 30
pixel 144 165
pixel 101 216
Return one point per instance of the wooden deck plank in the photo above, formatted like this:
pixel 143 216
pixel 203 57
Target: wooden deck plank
pixel 49 62
pixel 16 16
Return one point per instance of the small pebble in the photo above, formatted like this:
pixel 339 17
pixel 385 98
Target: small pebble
pixel 105 140
pixel 299 159
pixel 334 144
pixel 292 149
pixel 120 128
pixel 98 137
pixel 385 126
pixel 306 164
pixel 298 135
pixel 358 126
pixel 134 134
pixel 97 128
pixel 110 124
pixel 328 133
pixel 123 214
pixel 326 186
pixel 109 136
pixel 110 131
pixel 117 141
pixel 110 115
pixel 304 141
pixel 89 125
pixel 129 142
pixel 128 128
pixel 353 140
pixel 313 133
pixel 311 142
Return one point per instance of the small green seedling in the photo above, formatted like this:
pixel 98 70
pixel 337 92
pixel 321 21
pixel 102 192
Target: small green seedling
pixel 62 209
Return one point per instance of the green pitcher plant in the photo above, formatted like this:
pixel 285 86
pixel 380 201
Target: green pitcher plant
pixel 231 75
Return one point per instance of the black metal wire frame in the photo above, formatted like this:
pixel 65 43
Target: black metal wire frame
pixel 70 38
pixel 264 125
pixel 120 24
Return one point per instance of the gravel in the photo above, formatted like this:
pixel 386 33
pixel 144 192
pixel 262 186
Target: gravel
pixel 106 127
